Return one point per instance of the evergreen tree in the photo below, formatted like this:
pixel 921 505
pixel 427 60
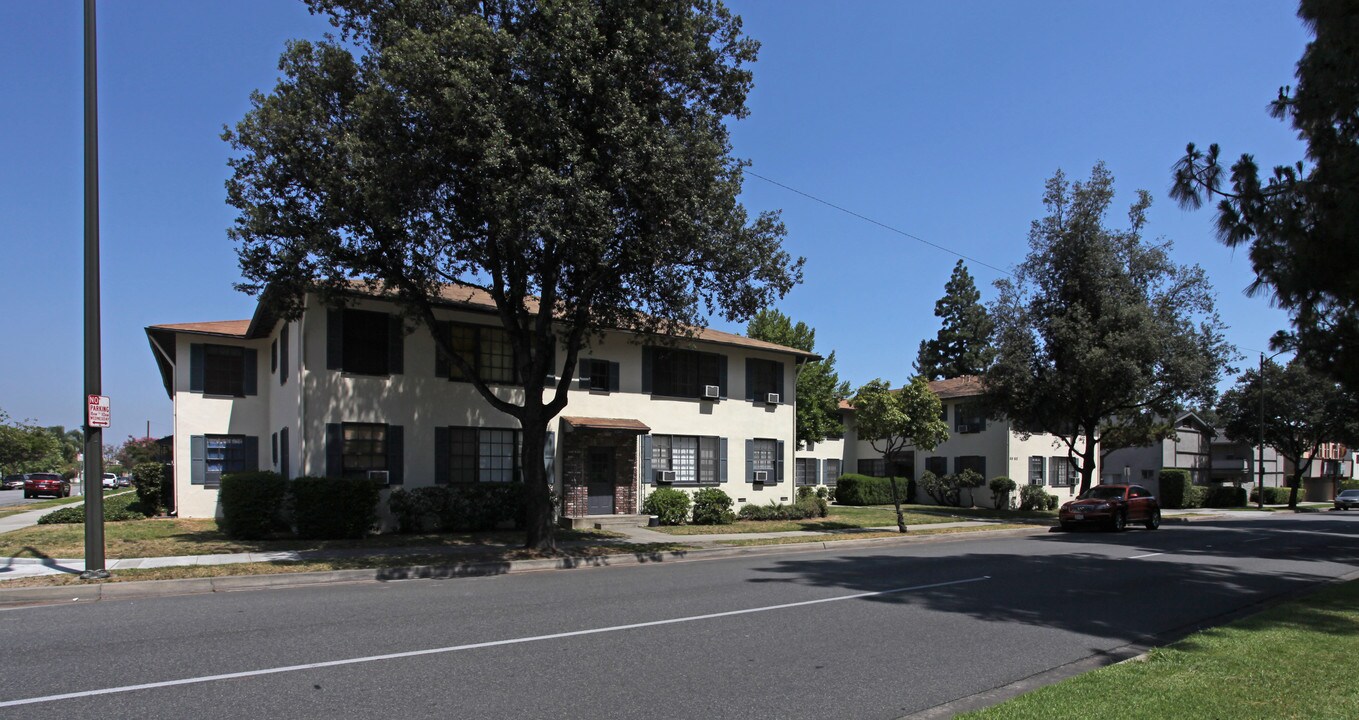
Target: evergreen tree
pixel 964 343
pixel 819 388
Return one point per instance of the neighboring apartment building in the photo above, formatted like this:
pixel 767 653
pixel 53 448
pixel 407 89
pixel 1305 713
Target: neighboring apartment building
pixel 1239 463
pixel 1332 463
pixel 993 448
pixel 1189 447
pixel 823 462
pixel 350 390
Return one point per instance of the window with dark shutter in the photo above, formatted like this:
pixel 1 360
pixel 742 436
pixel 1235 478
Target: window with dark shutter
pixel 693 459
pixel 685 373
pixel 224 370
pixel 937 465
pixel 482 454
pixel 765 378
pixel 366 342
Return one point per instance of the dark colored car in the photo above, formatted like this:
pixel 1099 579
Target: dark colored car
pixel 12 482
pixel 1112 506
pixel 1347 499
pixel 46 484
pixel 124 481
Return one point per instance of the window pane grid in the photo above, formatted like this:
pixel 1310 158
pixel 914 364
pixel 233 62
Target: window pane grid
pixel 764 454
pixel 365 448
pixel 693 459
pixel 223 370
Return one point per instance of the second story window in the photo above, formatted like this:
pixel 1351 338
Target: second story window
pixel 487 349
pixel 763 379
pixel 600 375
pixel 364 342
pixel 224 370
pixel 683 373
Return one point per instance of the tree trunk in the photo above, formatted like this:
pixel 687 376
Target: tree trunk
pixel 1293 486
pixel 538 511
pixel 1088 459
pixel 896 500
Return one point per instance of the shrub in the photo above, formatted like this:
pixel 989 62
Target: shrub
pixel 1033 497
pixel 253 504
pixel 865 490
pixel 1173 492
pixel 713 507
pixel 1273 495
pixel 943 490
pixel 1051 502
pixel 818 507
pixel 418 509
pixel 116 509
pixel 1001 487
pixel 1348 485
pixel 152 485
pixel 967 480
pixel 328 508
pixel 801 510
pixel 1193 496
pixel 805 491
pixel 671 506
pixel 823 492
pixel 1224 496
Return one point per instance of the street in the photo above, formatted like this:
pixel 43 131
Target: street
pixel 876 632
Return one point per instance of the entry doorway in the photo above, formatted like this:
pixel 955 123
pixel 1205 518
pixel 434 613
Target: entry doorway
pixel 599 480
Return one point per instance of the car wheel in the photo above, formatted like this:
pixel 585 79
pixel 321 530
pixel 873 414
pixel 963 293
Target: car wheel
pixel 1119 522
pixel 1154 520
pixel 27 495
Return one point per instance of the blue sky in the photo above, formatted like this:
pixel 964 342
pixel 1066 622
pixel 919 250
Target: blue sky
pixel 939 119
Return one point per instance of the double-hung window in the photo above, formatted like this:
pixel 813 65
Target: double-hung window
pixel 228 454
pixel 764 378
pixel 365 448
pixel 224 370
pixel 975 463
pixel 487 349
pixel 682 373
pixel 598 375
pixel 969 418
pixel 832 471
pixel 694 460
pixel 764 458
pixel 804 471
pixel 470 455
pixel 366 341
pixel 1060 471
pixel 1036 469
pixel 936 465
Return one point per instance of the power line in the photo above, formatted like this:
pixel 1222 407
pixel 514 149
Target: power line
pixel 883 225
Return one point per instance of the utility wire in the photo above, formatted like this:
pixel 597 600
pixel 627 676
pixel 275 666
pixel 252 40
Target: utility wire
pixel 883 225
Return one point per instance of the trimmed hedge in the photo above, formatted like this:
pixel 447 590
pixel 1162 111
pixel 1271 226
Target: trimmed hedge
pixel 152 485
pixel 867 490
pixel 1224 496
pixel 116 509
pixel 669 505
pixel 1174 484
pixel 1274 495
pixel 1001 487
pixel 713 507
pixel 253 504
pixel 813 507
pixel 457 508
pixel 330 508
pixel 1034 497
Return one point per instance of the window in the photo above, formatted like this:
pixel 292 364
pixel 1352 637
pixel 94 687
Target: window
pixel 937 465
pixel 764 456
pixel 365 448
pixel 1036 469
pixel 943 412
pixel 224 370
pixel 804 471
pixel 1146 474
pixel 969 418
pixel 901 464
pixel 873 468
pixel 763 377
pixel 683 373
pixel 487 349
pixel 1060 471
pixel 693 459
pixel 832 471
pixel 469 455
pixel 227 454
pixel 975 463
pixel 366 342
pixel 600 375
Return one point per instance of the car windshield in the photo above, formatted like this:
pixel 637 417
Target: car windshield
pixel 45 476
pixel 1350 493
pixel 1101 493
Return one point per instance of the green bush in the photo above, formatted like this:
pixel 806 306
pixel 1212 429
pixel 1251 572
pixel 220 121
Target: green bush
pixel 1001 487
pixel 1224 496
pixel 801 510
pixel 823 492
pixel 152 485
pixel 817 506
pixel 866 490
pixel 1174 493
pixel 671 506
pixel 945 490
pixel 1194 496
pixel 1273 495
pixel 713 507
pixel 253 504
pixel 118 508
pixel 1052 502
pixel 329 508
pixel 1033 497
pixel 805 491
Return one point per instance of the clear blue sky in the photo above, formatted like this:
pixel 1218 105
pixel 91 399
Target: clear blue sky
pixel 940 119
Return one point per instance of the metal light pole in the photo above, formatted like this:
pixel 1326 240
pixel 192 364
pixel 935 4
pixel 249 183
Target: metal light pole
pixel 94 436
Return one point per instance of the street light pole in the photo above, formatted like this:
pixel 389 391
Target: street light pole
pixel 1260 466
pixel 94 436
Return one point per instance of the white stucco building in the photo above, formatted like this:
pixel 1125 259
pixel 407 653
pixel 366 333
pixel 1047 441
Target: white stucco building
pixel 350 390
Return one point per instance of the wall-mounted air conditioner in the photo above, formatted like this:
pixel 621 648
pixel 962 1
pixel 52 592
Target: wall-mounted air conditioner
pixel 378 475
pixel 711 392
pixel 761 476
pixel 773 399
pixel 665 476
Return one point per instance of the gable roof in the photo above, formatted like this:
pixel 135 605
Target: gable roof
pixel 963 386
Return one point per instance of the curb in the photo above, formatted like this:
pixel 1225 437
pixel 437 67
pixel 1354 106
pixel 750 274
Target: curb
pixel 95 592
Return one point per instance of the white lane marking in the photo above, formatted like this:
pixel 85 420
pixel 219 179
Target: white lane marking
pixel 471 646
pixel 1243 542
pixel 1138 557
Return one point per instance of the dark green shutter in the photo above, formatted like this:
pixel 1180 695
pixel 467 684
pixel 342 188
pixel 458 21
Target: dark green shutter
pixel 198 460
pixel 334 450
pixel 646 369
pixel 283 454
pixel 722 375
pixel 750 378
pixel 750 461
pixel 615 371
pixel 273 356
pixel 441 455
pixel 396 455
pixel 722 460
pixel 583 375
pixel 283 355
pixel 646 460
pixel 396 345
pixel 778 383
pixel 250 447
pixel 273 449
pixel 335 339
pixel 551 379
pixel 252 365
pixel 196 367
pixel 778 463
pixel 442 363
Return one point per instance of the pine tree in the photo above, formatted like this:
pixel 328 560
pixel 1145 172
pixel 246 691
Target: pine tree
pixel 963 345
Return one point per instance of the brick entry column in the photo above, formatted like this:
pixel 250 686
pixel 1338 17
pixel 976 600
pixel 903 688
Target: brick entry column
pixel 575 494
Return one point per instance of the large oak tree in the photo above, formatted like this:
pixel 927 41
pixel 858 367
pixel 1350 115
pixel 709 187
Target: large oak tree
pixel 568 155
pixel 1099 332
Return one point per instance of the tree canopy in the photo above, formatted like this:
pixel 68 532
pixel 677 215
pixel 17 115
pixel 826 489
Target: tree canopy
pixel 819 388
pixel 1301 223
pixel 25 447
pixel 1302 410
pixel 893 420
pixel 571 155
pixel 963 345
pixel 1101 328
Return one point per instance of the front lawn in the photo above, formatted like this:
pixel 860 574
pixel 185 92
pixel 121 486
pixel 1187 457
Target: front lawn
pixel 842 517
pixel 38 504
pixel 1288 662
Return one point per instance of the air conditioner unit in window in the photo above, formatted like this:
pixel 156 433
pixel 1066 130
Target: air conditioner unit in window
pixel 378 475
pixel 665 476
pixel 773 399
pixel 761 476
pixel 969 428
pixel 711 392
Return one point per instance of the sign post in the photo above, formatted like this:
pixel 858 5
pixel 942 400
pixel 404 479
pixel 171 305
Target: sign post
pixel 94 431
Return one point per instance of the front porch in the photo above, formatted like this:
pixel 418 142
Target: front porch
pixel 599 471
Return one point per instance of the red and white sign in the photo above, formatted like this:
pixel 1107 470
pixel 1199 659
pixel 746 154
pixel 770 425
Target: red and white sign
pixel 98 411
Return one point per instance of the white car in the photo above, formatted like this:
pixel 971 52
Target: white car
pixel 110 481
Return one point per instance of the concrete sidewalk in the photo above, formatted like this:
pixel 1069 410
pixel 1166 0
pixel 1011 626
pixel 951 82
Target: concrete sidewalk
pixel 19 521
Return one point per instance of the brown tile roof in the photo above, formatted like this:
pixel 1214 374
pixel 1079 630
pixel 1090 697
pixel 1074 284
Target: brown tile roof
pixel 589 423
pixel 228 328
pixel 965 386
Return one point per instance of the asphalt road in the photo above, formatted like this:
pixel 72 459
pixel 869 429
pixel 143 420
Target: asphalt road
pixel 881 632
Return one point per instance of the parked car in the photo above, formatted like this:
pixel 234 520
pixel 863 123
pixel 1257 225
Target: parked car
pixel 110 481
pixel 124 481
pixel 12 482
pixel 36 484
pixel 1347 499
pixel 1112 506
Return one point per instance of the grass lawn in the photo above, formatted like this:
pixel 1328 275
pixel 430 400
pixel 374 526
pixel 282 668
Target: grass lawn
pixel 867 534
pixel 1288 662
pixel 842 517
pixel 38 504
